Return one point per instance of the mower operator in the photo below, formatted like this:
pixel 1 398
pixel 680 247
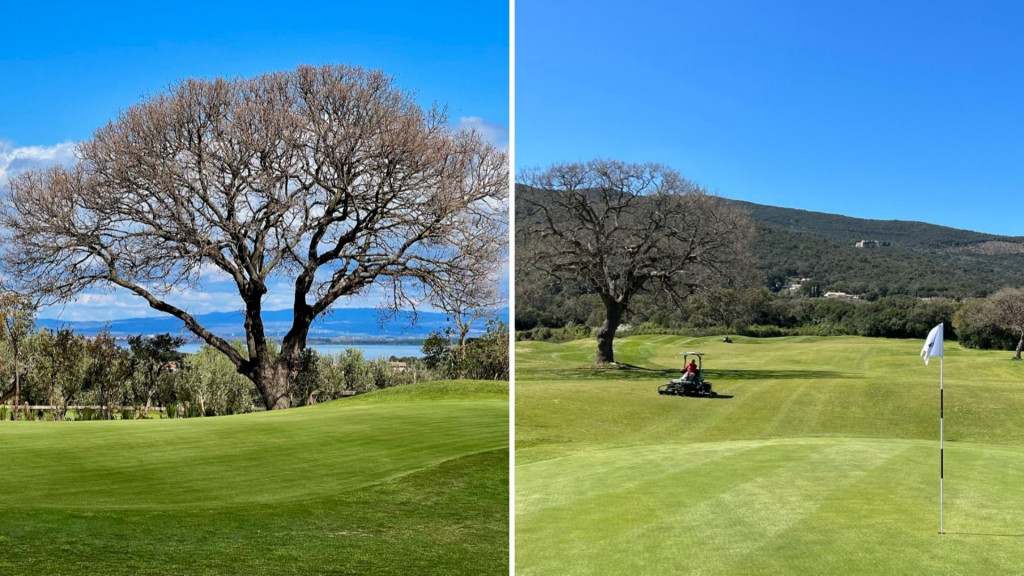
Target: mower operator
pixel 690 371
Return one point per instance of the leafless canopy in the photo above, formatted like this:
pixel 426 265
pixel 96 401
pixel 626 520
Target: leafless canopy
pixel 617 229
pixel 329 177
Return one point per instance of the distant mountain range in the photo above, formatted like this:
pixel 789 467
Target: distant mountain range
pixel 343 325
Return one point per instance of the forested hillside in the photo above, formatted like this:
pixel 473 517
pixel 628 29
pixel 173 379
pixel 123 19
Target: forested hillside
pixel 911 258
pixel 903 234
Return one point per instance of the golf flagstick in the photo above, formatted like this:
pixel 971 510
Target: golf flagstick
pixel 942 527
pixel 933 348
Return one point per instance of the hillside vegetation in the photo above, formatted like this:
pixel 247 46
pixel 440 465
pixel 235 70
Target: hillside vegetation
pixel 903 234
pixel 912 258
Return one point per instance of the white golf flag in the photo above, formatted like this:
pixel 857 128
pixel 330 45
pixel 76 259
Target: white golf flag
pixel 933 345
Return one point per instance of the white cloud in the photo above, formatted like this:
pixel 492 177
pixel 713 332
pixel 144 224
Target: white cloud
pixel 213 297
pixel 211 273
pixel 15 160
pixel 119 304
pixel 92 306
pixel 216 294
pixel 281 295
pixel 494 133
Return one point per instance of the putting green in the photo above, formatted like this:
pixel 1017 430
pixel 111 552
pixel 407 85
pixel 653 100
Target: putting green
pixel 823 460
pixel 362 485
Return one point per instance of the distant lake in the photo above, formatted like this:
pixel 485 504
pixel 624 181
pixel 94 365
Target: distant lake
pixel 370 351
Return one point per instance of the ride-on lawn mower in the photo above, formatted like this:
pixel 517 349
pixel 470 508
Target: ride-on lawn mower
pixel 691 383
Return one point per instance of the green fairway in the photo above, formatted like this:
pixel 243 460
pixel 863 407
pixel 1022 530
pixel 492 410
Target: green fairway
pixel 821 458
pixel 410 480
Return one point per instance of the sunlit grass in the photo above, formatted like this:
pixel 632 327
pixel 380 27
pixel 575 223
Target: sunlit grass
pixel 415 481
pixel 822 458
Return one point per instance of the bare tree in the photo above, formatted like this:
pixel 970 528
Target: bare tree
pixel 465 302
pixel 617 229
pixel 1005 309
pixel 330 178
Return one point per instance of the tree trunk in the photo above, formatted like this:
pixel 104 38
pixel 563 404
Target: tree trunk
pixel 606 333
pixel 274 384
pixel 1020 346
pixel 274 381
pixel 150 391
pixel 17 384
pixel 463 336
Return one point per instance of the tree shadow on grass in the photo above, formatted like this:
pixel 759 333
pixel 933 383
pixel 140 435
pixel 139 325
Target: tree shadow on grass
pixel 604 373
pixel 989 535
pixel 775 374
pixel 633 372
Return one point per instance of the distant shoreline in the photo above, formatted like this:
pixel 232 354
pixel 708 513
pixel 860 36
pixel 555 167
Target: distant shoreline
pixel 370 351
pixel 365 341
pixel 369 341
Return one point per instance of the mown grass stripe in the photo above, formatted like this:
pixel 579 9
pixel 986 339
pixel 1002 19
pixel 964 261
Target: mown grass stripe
pixel 694 518
pixel 565 482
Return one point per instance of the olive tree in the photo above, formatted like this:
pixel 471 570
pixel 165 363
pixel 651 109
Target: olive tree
pixel 328 178
pixel 107 373
pixel 618 229
pixel 60 366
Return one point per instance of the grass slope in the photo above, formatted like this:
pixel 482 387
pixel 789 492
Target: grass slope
pixel 823 461
pixel 402 481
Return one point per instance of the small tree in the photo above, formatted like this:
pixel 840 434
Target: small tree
pixel 68 362
pixel 1006 310
pixel 54 368
pixel 487 356
pixel 17 318
pixel 466 300
pixel 975 329
pixel 617 229
pixel 211 386
pixel 153 357
pixel 309 380
pixel 107 372
pixel 440 353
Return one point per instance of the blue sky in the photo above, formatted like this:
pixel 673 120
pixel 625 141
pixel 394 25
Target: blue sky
pixel 68 68
pixel 891 110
